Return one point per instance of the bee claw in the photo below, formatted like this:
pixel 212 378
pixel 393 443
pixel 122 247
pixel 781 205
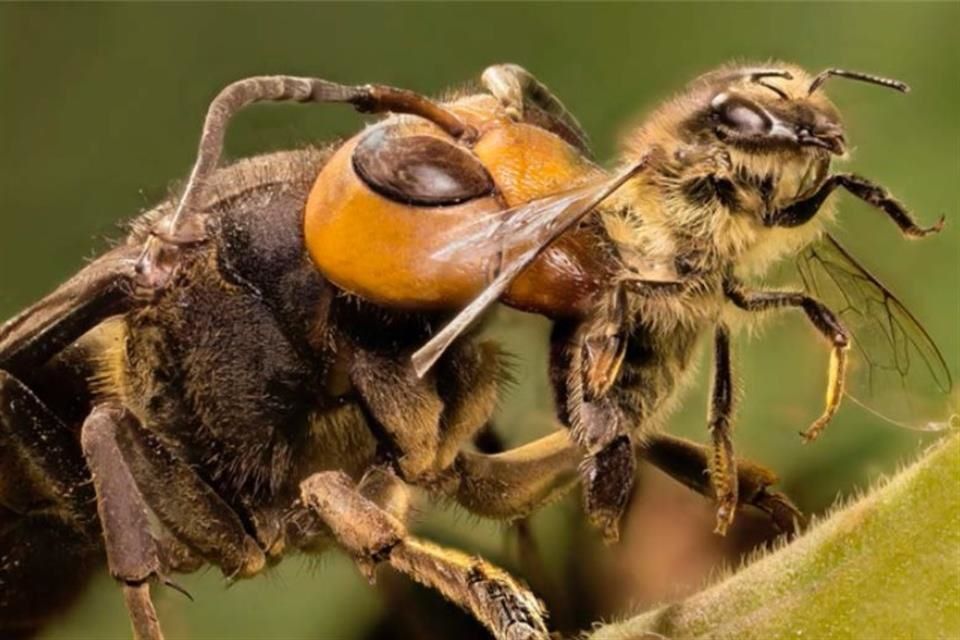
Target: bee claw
pixel 923 232
pixel 611 532
pixel 813 432
pixel 367 570
pixel 937 226
pixel 786 516
pixel 726 513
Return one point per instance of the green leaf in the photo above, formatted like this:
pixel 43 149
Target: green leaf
pixel 885 566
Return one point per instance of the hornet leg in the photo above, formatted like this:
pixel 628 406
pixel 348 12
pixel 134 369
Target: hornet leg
pixel 371 534
pixel 131 550
pixel 242 93
pixel 517 482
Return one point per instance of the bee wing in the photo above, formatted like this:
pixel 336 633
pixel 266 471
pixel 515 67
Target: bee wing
pixel 521 233
pixel 896 370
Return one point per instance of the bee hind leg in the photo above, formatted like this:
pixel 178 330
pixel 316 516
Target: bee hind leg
pixel 372 535
pixel 608 477
pixel 585 367
pixel 687 463
pixel 723 463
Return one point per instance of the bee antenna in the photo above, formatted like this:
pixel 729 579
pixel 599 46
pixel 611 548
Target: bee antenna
pixel 758 74
pixel 890 83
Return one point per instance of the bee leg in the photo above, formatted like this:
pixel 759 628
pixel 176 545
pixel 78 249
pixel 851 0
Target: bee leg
pixel 587 370
pixel 836 374
pixel 723 463
pixel 608 478
pixel 527 99
pixel 689 464
pixel 404 405
pixel 824 320
pixel 371 534
pixel 871 193
pixel 132 554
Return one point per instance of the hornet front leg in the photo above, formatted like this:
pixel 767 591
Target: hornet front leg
pixel 362 523
pixel 370 98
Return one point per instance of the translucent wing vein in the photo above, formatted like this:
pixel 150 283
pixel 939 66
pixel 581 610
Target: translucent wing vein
pixel 897 371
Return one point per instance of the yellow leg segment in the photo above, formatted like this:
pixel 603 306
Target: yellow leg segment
pixel 835 382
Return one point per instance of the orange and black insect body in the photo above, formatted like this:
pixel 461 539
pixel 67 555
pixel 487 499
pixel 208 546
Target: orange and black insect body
pixel 229 383
pixel 265 364
pixel 394 197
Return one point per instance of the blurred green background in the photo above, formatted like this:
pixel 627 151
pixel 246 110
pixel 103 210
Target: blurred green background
pixel 100 111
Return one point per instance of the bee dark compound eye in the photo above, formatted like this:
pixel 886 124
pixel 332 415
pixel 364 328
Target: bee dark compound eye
pixel 740 114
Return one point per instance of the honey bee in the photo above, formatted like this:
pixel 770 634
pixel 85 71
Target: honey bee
pixel 268 361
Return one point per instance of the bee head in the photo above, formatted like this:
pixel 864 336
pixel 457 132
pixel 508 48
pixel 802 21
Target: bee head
pixel 774 110
pixel 742 143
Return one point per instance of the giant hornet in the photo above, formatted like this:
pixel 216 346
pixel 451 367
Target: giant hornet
pixel 268 360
